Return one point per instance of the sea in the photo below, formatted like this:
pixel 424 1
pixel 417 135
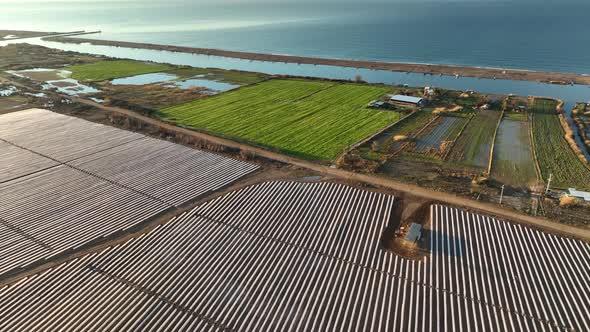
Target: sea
pixel 531 34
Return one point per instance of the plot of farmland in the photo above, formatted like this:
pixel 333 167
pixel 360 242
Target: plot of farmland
pixel 513 161
pixel 553 152
pixel 445 129
pixel 65 182
pixel 106 70
pixel 284 256
pixel 313 120
pixel 473 146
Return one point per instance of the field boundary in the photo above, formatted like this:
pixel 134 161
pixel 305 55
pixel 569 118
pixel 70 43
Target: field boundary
pixel 493 146
pixel 392 184
pixel 450 148
pixel 534 148
pixel 403 147
pixel 369 138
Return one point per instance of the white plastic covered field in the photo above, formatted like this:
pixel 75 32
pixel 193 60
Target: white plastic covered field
pixel 306 257
pixel 66 181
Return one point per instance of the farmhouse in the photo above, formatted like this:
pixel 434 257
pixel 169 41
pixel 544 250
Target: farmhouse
pixel 579 194
pixel 406 101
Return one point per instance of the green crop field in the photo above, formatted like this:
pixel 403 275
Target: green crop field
pixel 309 119
pixel 473 146
pixel 107 70
pixel 555 155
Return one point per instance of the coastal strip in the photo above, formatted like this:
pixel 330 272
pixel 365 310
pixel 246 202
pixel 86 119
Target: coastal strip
pixel 427 69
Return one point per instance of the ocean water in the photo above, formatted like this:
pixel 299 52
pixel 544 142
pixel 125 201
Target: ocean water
pixel 531 34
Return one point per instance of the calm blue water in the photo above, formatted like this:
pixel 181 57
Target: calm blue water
pixel 208 84
pixel 536 35
pixel 144 79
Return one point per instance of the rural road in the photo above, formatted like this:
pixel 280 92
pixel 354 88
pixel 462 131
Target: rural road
pixel 414 190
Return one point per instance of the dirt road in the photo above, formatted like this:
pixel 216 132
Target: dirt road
pixel 423 193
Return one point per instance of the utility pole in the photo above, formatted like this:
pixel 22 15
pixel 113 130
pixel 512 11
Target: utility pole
pixel 501 194
pixel 548 183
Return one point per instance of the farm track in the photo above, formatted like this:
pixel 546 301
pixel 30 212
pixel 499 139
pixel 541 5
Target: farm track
pixel 372 180
pixel 298 256
pixel 67 182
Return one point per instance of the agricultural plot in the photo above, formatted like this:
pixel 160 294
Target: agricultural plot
pixel 300 256
pixel 513 161
pixel 410 125
pixel 66 181
pixel 16 162
pixel 439 134
pixel 308 119
pixel 473 146
pixel 110 69
pixel 554 154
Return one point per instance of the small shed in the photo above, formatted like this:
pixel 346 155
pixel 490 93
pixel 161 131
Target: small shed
pixel 579 194
pixel 376 104
pixel 414 233
pixel 406 100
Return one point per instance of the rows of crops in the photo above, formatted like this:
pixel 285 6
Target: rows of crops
pixel 301 256
pixel 473 146
pixel 542 278
pixel 60 137
pixel 446 129
pixel 312 120
pixel 17 162
pixel 554 154
pixel 66 181
pixel 60 208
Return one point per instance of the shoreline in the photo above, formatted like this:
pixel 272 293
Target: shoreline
pixel 426 69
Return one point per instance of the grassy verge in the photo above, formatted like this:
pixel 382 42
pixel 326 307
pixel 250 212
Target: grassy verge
pixel 309 119
pixel 107 70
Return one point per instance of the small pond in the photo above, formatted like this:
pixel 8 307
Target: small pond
pixel 144 79
pixel 208 84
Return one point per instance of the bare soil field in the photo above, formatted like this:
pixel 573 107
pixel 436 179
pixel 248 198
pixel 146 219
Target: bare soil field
pixel 25 56
pixel 147 98
pixel 521 75
pixel 513 159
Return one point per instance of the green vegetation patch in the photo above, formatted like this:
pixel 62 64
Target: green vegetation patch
pixel 516 116
pixel 473 146
pixel 555 155
pixel 220 75
pixel 309 119
pixel 107 70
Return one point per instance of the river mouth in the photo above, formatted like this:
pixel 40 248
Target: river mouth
pixel 570 94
